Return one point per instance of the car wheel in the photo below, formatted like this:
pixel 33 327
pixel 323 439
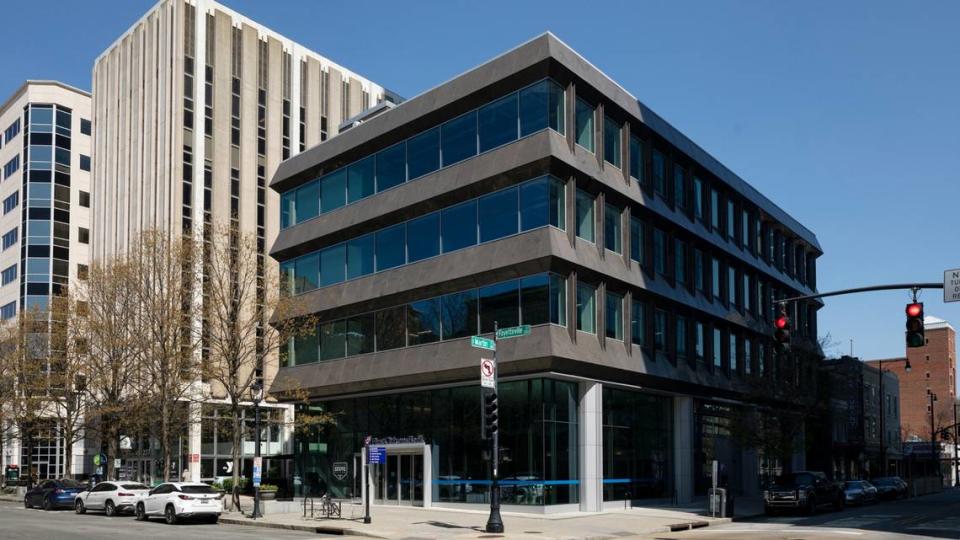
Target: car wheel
pixel 110 509
pixel 170 515
pixel 47 504
pixel 80 509
pixel 140 513
pixel 26 502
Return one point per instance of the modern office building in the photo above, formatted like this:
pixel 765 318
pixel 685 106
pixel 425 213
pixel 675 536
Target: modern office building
pixel 853 424
pixel 933 368
pixel 45 226
pixel 533 190
pixel 194 106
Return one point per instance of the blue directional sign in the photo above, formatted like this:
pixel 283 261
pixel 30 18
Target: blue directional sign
pixel 377 455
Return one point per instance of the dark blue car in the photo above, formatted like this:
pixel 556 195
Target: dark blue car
pixel 51 494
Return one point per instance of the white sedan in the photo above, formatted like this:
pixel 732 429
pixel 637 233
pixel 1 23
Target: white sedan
pixel 111 497
pixel 180 500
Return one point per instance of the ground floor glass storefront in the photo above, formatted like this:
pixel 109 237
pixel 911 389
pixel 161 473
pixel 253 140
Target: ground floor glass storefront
pixel 538 438
pixel 637 445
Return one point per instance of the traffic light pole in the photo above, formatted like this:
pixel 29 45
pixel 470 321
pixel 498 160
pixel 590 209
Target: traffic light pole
pixel 495 522
pixel 899 286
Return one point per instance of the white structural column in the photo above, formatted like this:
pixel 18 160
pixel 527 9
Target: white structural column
pixel 683 448
pixel 591 446
pixel 196 409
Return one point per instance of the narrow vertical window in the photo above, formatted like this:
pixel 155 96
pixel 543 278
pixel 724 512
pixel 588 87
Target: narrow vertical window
pixel 585 132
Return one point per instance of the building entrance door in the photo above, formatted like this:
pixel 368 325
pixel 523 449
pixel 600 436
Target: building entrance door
pixel 400 480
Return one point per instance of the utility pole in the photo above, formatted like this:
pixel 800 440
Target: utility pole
pixel 883 433
pixel 495 522
pixel 933 432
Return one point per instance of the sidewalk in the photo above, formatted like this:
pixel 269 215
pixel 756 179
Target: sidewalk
pixel 437 523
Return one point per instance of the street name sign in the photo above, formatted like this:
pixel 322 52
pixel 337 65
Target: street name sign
pixel 951 285
pixel 482 343
pixel 513 331
pixel 487 371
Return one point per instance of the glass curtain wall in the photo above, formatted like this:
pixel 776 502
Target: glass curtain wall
pixel 637 445
pixel 538 438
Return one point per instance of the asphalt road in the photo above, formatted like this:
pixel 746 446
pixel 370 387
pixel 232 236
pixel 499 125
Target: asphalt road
pixel 931 516
pixel 17 522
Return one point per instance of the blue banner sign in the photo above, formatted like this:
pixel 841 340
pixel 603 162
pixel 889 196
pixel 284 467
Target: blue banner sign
pixel 377 455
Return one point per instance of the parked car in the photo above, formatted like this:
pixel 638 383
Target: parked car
pixel 111 497
pixel 176 501
pixel 804 490
pixel 890 487
pixel 51 494
pixel 859 492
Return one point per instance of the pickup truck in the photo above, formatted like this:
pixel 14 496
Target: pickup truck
pixel 804 490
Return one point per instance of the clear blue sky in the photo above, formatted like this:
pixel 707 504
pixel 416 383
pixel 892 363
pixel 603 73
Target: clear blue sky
pixel 845 114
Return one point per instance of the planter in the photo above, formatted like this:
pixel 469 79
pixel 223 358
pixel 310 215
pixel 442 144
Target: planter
pixel 268 495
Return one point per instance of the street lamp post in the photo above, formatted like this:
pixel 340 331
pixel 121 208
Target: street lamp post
pixel 935 455
pixel 257 389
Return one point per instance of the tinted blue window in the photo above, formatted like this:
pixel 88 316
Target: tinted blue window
pixel 541 106
pixel 333 265
pixel 307 273
pixel 636 159
pixel 459 226
pixel 8 311
pixel 307 205
pixel 288 278
pixel 287 215
pixel 535 299
pixel 499 303
pixel 423 237
pixel 9 274
pixel 459 139
pixel 584 117
pixel 498 215
pixel 360 256
pixel 423 322
pixel 497 123
pixel 659 174
pixel 360 334
pixel 333 191
pixel 611 141
pixel 541 203
pixel 333 340
pixel 459 314
pixel 423 153
pixel 360 180
pixel 391 167
pixel 11 202
pixel 390 247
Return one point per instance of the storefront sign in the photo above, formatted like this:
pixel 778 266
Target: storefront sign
pixel 377 456
pixel 340 470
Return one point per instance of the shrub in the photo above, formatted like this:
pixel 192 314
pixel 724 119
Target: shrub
pixel 268 487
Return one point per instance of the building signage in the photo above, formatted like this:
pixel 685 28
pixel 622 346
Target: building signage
pixel 513 331
pixel 951 285
pixel 257 468
pixel 377 455
pixel 482 343
pixel 410 439
pixel 340 470
pixel 487 371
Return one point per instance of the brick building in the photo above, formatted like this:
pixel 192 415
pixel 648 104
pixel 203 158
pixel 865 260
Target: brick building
pixel 934 368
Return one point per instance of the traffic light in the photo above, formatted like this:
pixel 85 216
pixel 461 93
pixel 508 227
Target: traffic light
pixel 782 334
pixel 490 414
pixel 915 337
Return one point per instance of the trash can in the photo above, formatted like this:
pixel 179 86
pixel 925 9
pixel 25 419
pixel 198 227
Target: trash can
pixel 720 502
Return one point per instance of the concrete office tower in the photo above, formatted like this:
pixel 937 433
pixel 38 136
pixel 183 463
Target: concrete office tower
pixel 45 226
pixel 534 190
pixel 195 106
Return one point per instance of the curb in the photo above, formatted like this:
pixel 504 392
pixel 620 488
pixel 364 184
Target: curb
pixel 319 529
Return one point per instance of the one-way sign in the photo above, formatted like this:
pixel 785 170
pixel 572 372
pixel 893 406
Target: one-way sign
pixel 951 285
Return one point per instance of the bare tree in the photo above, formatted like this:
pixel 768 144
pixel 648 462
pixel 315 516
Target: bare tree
pixel 166 294
pixel 241 298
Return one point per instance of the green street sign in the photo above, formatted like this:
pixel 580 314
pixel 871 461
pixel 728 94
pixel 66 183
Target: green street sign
pixel 514 331
pixel 482 343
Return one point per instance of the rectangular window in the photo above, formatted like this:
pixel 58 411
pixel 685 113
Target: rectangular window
pixel 638 328
pixel 11 166
pixel 698 271
pixel 360 256
pixel 458 226
pixel 614 316
pixel 11 202
pixel 84 162
pixel 306 273
pixel 636 159
pixel 9 274
pixel 584 119
pixel 360 179
pixel 715 273
pixel 391 166
pixel 611 141
pixel 8 311
pixel 498 123
pixel 499 303
pixel 84 199
pixel 679 187
pixel 660 252
pixel 459 314
pixel 541 106
pixel 761 359
pixel 680 262
pixel 699 341
pixel 681 337
pixel 12 130
pixel 660 338
pixel 85 127
pixel 423 322
pixel 498 214
pixel 698 199
pixel 333 191
pixel 83 235
pixel 636 240
pixel 745 229
pixel 746 292
pixel 542 202
pixel 333 340
pixel 390 243
pixel 423 153
pixel 360 334
pixel 586 307
pixel 733 353
pixel 659 174
pixel 423 237
pixel 731 220
pixel 717 348
pixel 390 328
pixel 536 299
pixel 714 210
pixel 585 219
pixel 747 360
pixel 612 231
pixel 732 285
pixel 458 139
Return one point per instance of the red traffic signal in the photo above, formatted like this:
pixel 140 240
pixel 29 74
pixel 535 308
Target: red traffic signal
pixel 915 336
pixel 782 322
pixel 781 336
pixel 914 310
